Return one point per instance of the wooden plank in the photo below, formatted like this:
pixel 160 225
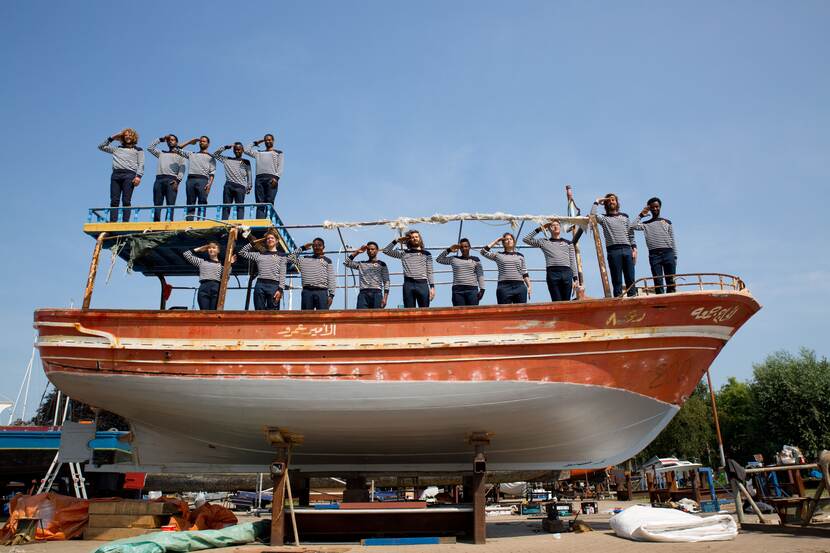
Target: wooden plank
pixel 131 507
pixel 93 270
pixel 603 272
pixel 226 269
pixel 127 521
pixel 107 534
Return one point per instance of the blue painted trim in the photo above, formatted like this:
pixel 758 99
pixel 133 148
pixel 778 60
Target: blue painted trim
pixel 51 440
pixel 402 541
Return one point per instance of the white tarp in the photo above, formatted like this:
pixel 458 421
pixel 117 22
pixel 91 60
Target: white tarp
pixel 642 523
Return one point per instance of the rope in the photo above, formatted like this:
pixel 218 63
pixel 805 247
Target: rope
pixel 514 220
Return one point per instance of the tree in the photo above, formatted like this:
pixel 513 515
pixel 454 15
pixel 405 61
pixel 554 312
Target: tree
pixel 45 414
pixel 738 414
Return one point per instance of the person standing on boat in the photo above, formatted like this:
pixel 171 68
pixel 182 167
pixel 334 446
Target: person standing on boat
pixel 662 250
pixel 127 170
pixel 467 274
pixel 374 277
pixel 237 179
pixel 514 282
pixel 317 272
pixel 268 172
pixel 169 174
pixel 560 260
pixel 210 274
pixel 271 268
pixel 200 175
pixel 619 243
pixel 418 283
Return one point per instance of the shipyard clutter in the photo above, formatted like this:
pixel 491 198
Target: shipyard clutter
pixel 316 270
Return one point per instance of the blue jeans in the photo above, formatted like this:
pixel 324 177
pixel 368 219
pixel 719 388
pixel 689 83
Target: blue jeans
pixel 313 298
pixel 464 295
pixel 560 283
pixel 663 261
pixel 208 294
pixel 265 192
pixel 621 265
pixel 369 298
pixel 196 192
pixel 121 188
pixel 415 292
pixel 264 295
pixel 164 190
pixel 233 194
pixel 511 291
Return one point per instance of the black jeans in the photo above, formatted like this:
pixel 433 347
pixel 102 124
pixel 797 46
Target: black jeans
pixel 314 298
pixel 369 298
pixel 208 294
pixel 511 291
pixel 233 194
pixel 663 261
pixel 464 295
pixel 621 265
pixel 196 192
pixel 264 295
pixel 265 192
pixel 560 283
pixel 121 188
pixel 415 292
pixel 164 190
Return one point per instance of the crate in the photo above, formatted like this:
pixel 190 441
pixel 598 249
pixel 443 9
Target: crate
pixel 710 506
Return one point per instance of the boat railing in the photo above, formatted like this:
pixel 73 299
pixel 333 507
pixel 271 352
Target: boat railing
pixel 689 281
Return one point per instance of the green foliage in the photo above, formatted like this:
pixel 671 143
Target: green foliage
pixel 739 420
pixel 45 414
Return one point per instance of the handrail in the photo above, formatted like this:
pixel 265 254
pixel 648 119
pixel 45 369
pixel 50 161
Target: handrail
pixel 720 281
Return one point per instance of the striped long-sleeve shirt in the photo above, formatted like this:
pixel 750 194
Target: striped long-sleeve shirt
pixel 417 264
pixel 268 162
pixel 659 233
pixel 617 228
pixel 558 252
pixel 124 158
pixel 466 271
pixel 316 272
pixel 511 264
pixel 237 170
pixel 374 275
pixel 270 265
pixel 170 163
pixel 202 164
pixel 208 270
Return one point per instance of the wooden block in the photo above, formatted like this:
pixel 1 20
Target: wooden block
pixel 107 534
pixel 127 521
pixel 131 507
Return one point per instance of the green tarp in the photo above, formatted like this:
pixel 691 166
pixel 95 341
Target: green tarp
pixel 197 540
pixel 140 244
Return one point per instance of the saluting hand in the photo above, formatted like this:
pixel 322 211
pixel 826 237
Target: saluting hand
pixel 307 246
pixel 644 212
pixel 363 248
pixel 402 239
pixel 600 200
pixel 455 248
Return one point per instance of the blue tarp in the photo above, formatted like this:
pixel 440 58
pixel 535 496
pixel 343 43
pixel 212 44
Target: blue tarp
pixel 196 540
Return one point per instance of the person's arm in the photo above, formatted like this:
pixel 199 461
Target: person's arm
pixel 294 257
pixel 250 150
pixel 572 256
pixel 332 281
pixel 247 253
pixel 600 218
pixel 387 284
pixel 280 158
pixel 212 167
pixel 485 251
pixel 106 145
pixel 180 172
pixel 530 238
pixel 217 155
pixel 631 240
pixel 283 270
pixel 140 169
pixel 152 148
pixel 430 278
pixel 443 257
pixel 479 271
pixel 525 275
pixel 673 241
pixel 192 259
pixel 248 177
pixel 391 251
pixel 350 262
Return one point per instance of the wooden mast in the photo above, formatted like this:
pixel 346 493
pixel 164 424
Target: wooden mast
pixel 93 270
pixel 226 269
pixel 603 272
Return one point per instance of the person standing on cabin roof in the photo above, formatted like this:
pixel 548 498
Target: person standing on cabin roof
pixel 418 283
pixel 317 274
pixel 374 277
pixel 210 274
pixel 662 249
pixel 467 274
pixel 200 175
pixel 619 243
pixel 268 172
pixel 560 260
pixel 514 282
pixel 127 170
pixel 237 179
pixel 169 174
pixel 271 268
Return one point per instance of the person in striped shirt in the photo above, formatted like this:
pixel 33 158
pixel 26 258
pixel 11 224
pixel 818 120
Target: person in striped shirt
pixel 467 274
pixel 619 243
pixel 271 268
pixel 127 170
pixel 200 175
pixel 317 274
pixel 560 260
pixel 514 282
pixel 169 174
pixel 662 250
pixel 418 283
pixel 268 172
pixel 237 179
pixel 210 274
pixel 374 277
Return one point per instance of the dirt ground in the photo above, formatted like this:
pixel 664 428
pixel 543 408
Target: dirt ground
pixel 517 534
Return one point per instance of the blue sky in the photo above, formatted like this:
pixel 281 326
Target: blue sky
pixel 390 108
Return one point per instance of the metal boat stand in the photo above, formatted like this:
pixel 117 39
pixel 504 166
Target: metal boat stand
pixel 282 441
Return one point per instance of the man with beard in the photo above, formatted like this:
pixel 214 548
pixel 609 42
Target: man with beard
pixel 200 175
pixel 237 179
pixel 169 174
pixel 374 277
pixel 317 274
pixel 268 172
pixel 418 284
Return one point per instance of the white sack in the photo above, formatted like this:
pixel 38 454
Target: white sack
pixel 642 523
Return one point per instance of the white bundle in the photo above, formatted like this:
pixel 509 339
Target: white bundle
pixel 643 523
pixel 440 218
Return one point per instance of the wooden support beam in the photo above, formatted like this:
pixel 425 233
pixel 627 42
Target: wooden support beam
pixel 226 269
pixel 93 270
pixel 278 478
pixel 603 271
pixel 479 440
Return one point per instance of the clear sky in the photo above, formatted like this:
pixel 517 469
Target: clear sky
pixel 410 108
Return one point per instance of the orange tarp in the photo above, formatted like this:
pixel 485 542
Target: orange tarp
pixel 206 517
pixel 63 517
